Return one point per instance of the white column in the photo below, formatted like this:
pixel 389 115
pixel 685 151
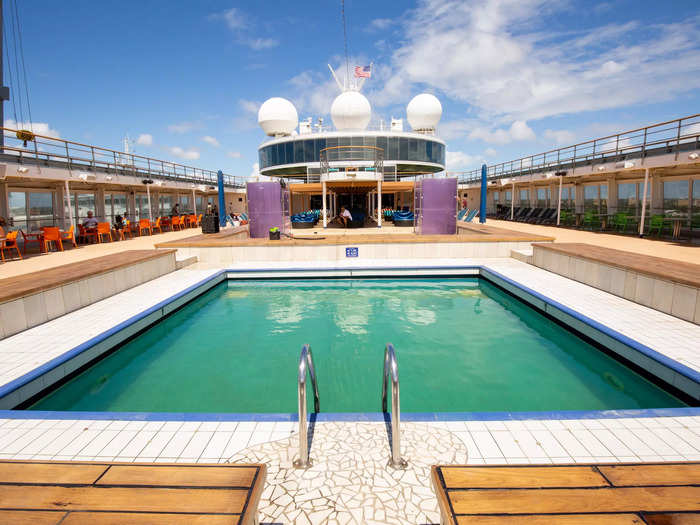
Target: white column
pixel 323 211
pixel 67 199
pixel 644 202
pixel 148 194
pixel 559 201
pixel 194 202
pixel 512 201
pixel 379 203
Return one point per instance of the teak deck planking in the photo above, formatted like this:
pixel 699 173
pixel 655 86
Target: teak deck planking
pixel 128 493
pixel 676 271
pixel 620 494
pixel 35 282
pixel 466 233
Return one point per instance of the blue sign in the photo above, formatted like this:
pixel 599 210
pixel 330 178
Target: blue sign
pixel 351 252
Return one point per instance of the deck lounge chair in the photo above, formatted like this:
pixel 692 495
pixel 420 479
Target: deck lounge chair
pixel 470 216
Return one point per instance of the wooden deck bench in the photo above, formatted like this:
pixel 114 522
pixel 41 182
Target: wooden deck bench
pixel 33 298
pixel 666 285
pixel 70 493
pixel 619 494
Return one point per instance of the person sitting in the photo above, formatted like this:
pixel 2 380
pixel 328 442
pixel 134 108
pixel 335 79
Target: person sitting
pixel 345 216
pixel 175 211
pixel 119 222
pixel 90 222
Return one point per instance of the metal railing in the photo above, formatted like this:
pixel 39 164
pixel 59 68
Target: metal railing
pixel 670 137
pixel 74 156
pixel 306 363
pixel 391 371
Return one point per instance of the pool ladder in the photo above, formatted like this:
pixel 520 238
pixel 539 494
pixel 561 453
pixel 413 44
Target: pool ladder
pixel 306 363
pixel 390 373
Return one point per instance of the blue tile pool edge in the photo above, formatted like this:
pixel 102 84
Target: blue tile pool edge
pixel 666 361
pixel 354 416
pixel 13 385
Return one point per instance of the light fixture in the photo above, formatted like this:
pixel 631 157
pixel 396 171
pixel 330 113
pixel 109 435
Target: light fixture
pixel 159 183
pixel 628 164
pixel 601 168
pixel 693 156
pixel 147 181
pixel 22 169
pixel 108 177
pixel 549 174
pixel 504 182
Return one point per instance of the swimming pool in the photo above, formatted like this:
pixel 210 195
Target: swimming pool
pixel 462 344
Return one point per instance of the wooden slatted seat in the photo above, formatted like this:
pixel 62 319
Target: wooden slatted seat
pixel 129 493
pixel 620 494
pixel 669 269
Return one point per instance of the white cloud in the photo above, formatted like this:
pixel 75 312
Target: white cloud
pixel 38 128
pixel 249 106
pixel 145 139
pixel 379 24
pixel 243 26
pixel 187 154
pixel 518 131
pixel 261 43
pixel 183 127
pixel 561 137
pixel 502 57
pixel 490 152
pixel 234 154
pixel 458 160
pixel 233 17
pixel 211 140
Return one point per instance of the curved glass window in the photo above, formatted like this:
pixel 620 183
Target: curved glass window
pixel 395 149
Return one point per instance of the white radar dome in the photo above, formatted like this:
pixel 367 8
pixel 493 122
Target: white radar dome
pixel 424 112
pixel 351 111
pixel 278 116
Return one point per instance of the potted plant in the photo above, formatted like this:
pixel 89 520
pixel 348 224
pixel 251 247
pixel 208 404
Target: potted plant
pixel 275 234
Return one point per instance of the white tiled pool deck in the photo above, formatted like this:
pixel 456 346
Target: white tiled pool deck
pixel 342 447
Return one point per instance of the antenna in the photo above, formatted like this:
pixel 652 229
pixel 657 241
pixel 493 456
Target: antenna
pixel 341 86
pixel 345 40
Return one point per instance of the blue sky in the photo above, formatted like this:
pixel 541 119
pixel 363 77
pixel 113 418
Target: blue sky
pixel 515 77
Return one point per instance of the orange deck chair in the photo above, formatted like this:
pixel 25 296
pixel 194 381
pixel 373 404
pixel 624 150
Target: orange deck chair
pixel 158 225
pixel 9 243
pixel 199 220
pixel 52 235
pixel 104 228
pixel 176 223
pixel 69 236
pixel 145 225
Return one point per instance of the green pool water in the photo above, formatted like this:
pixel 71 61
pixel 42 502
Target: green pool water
pixel 462 345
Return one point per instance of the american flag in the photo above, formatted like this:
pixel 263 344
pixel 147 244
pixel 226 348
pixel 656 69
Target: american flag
pixel 363 71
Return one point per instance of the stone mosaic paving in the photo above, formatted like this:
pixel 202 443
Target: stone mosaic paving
pixel 350 481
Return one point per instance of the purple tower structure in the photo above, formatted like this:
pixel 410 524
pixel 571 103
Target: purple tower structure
pixel 268 207
pixel 435 206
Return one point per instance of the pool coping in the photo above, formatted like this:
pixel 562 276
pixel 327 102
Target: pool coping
pixel 482 271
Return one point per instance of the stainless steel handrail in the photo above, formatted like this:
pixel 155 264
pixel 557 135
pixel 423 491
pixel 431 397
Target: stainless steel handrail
pixel 391 367
pixel 306 362
pixel 76 155
pixel 666 136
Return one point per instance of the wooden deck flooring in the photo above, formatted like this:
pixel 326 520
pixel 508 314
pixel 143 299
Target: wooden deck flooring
pixel 677 271
pixel 35 282
pixel 128 493
pixel 621 494
pixel 468 233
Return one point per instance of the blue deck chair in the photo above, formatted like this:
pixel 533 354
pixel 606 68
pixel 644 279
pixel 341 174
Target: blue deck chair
pixel 461 214
pixel 470 216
